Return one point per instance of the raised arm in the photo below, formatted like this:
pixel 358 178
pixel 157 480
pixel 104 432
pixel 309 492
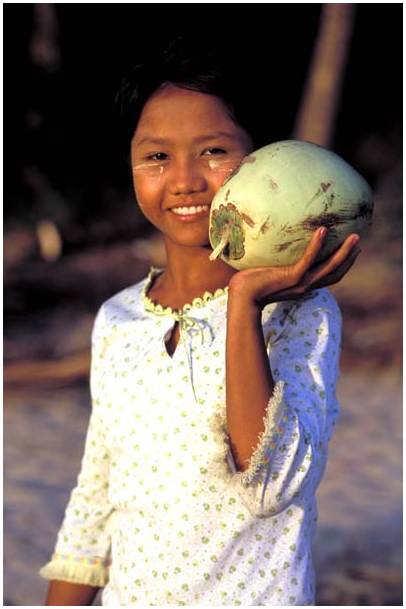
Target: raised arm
pixel 249 382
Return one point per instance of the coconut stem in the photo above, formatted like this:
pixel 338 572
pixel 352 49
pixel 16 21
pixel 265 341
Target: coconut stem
pixel 221 244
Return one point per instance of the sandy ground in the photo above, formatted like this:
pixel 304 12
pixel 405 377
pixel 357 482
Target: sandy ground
pixel 358 546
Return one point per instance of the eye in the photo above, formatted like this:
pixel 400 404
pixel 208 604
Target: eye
pixel 157 156
pixel 214 151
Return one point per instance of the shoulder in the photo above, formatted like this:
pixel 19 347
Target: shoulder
pixel 317 312
pixel 124 306
pixel 316 301
pixel 320 302
pixel 318 315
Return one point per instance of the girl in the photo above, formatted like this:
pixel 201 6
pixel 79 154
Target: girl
pixel 213 390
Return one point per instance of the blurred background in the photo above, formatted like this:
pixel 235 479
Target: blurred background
pixel 73 236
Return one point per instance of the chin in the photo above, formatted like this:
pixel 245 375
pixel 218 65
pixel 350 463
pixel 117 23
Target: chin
pixel 195 243
pixel 191 241
pixel 197 236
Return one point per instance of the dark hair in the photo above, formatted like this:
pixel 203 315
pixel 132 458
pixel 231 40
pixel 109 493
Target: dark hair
pixel 187 64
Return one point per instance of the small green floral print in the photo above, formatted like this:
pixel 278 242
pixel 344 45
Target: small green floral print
pixel 157 477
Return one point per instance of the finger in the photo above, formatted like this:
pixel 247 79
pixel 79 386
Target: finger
pixel 338 256
pixel 309 256
pixel 299 291
pixel 350 242
pixel 320 273
pixel 316 274
pixel 316 279
pixel 336 275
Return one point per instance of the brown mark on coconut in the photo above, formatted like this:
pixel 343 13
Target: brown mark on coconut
pixel 328 220
pixel 329 201
pixel 265 226
pixel 364 210
pixel 324 186
pixel 227 195
pixel 247 220
pixel 281 247
pixel 286 228
pixel 273 184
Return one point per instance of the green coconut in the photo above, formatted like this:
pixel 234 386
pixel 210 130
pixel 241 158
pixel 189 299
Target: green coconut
pixel 268 209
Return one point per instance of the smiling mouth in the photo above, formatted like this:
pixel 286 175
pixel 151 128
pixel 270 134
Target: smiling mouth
pixel 189 211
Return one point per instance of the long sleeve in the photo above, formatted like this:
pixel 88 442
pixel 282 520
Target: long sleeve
pixel 82 550
pixel 290 457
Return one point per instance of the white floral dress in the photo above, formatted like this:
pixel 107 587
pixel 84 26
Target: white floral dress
pixel 159 514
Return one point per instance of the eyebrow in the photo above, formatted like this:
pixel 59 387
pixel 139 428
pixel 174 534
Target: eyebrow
pixel 147 139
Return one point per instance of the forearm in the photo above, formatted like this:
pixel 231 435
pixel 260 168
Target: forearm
pixel 62 593
pixel 249 382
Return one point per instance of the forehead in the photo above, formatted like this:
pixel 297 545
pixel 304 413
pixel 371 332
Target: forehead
pixel 174 107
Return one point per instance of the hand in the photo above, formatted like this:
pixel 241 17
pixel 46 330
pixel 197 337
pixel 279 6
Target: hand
pixel 263 285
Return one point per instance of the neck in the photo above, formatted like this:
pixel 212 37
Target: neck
pixel 189 269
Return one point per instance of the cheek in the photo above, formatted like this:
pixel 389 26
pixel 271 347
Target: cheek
pixel 148 171
pixel 220 170
pixel 147 187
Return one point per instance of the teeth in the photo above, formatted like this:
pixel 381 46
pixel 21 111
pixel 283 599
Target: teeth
pixel 189 211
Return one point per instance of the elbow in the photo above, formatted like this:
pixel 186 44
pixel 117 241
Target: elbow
pixel 301 480
pixel 274 491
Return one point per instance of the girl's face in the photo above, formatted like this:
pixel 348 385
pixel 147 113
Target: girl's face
pixel 185 146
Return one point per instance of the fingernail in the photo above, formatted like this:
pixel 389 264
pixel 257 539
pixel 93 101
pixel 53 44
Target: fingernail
pixel 322 232
pixel 354 240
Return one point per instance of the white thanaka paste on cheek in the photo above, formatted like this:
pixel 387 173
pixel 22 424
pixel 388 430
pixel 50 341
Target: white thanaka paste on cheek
pixel 150 170
pixel 226 167
pixel 213 164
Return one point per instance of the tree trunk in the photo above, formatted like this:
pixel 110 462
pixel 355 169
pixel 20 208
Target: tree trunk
pixel 317 113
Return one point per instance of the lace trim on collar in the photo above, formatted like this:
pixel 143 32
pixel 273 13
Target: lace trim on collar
pixel 197 302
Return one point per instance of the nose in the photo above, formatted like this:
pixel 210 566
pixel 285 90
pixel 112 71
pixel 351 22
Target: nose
pixel 186 177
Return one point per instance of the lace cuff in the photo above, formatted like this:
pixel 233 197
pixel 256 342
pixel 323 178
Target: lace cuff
pixel 88 571
pixel 274 425
pixel 275 419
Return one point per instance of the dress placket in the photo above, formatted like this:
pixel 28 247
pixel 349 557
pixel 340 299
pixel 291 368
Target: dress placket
pixel 190 325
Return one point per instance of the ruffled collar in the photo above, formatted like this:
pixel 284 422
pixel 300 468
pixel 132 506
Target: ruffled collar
pixel 197 302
